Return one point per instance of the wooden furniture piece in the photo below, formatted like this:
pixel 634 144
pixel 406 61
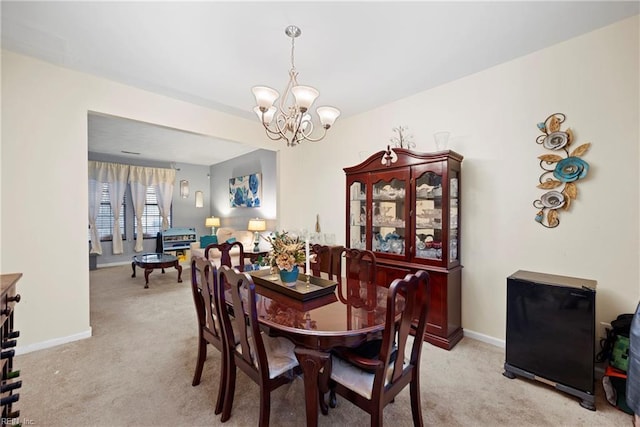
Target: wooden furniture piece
pixel 204 282
pixel 225 251
pixel 153 261
pixel 551 332
pixel 327 261
pixel 361 271
pixel 407 212
pixel 372 382
pixel 318 326
pixel 8 385
pixel 269 361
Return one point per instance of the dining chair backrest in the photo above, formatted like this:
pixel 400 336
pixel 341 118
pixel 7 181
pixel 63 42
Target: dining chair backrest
pixel 238 291
pixel 391 370
pixel 327 261
pixel 225 253
pixel 204 287
pixel 268 361
pixel 361 272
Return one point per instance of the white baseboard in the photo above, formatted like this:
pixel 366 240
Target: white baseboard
pixel 53 343
pixel 113 264
pixel 484 338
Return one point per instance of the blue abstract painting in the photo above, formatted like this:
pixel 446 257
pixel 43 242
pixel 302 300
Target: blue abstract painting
pixel 245 191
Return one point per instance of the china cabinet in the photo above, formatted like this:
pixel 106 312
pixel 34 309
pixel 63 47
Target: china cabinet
pixel 9 385
pixel 405 207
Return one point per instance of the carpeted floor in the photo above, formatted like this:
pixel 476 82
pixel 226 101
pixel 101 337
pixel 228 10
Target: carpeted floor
pixel 137 370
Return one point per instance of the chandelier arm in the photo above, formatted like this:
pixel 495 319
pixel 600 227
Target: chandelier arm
pixel 269 131
pixel 274 136
pixel 308 138
pixel 293 81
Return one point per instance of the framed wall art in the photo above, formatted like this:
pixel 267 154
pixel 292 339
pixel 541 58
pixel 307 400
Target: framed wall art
pixel 245 191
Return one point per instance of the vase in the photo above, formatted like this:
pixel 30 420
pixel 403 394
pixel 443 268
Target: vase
pixel 289 278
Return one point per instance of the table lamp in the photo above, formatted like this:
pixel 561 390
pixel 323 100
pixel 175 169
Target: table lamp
pixel 256 225
pixel 212 222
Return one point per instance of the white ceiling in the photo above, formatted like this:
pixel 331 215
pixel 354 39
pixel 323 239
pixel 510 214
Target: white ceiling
pixel 360 55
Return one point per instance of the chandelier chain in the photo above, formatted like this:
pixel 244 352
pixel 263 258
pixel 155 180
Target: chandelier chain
pixel 293 41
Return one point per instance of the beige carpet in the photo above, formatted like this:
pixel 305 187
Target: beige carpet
pixel 137 369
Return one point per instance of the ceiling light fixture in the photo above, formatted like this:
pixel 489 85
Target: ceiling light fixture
pixel 292 122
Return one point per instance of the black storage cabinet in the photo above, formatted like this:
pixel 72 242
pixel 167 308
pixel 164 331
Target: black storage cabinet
pixel 551 332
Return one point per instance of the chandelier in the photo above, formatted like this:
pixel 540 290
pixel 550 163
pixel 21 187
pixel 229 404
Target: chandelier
pixel 292 122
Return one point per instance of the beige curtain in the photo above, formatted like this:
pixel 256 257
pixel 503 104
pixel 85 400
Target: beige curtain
pixel 115 175
pixel 163 181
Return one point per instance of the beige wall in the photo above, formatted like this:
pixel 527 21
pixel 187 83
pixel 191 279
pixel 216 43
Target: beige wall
pixel 491 115
pixel 44 183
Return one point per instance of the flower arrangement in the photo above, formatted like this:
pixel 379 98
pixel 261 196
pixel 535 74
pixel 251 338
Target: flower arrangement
pixel 287 251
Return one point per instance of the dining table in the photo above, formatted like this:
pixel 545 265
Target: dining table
pixel 353 313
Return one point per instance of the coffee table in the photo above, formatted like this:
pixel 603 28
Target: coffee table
pixel 152 261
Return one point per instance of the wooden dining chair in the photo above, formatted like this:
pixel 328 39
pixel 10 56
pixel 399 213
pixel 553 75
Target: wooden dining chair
pixel 225 253
pixel 326 261
pixel 372 382
pixel 361 272
pixel 268 361
pixel 203 286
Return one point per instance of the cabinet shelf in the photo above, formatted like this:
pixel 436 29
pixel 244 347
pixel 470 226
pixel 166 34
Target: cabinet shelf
pixel 420 195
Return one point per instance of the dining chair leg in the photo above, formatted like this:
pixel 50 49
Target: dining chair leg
pixel 323 387
pixel 222 387
pixel 229 391
pixel 265 407
pixel 333 402
pixel 202 356
pixel 376 416
pixel 414 388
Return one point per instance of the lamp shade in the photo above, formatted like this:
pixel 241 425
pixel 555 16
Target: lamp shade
pixel 268 115
pixel 265 96
pixel 328 115
pixel 304 95
pixel 257 225
pixel 212 222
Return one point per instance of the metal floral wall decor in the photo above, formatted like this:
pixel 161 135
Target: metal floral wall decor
pixel 403 139
pixel 245 191
pixel 562 170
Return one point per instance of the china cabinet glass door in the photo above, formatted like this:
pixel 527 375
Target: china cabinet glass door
pixel 358 214
pixel 389 214
pixel 428 214
pixel 453 216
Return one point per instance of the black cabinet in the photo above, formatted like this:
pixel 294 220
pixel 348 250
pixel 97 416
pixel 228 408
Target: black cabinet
pixel 551 332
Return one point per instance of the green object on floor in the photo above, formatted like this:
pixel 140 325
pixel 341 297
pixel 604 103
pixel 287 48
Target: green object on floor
pixel 620 353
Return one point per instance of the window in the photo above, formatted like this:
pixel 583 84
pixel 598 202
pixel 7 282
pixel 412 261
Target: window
pixel 151 219
pixel 104 221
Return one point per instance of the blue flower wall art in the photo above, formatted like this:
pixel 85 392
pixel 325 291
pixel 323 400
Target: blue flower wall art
pixel 245 191
pixel 561 171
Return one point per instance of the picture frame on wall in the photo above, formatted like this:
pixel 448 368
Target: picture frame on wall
pixel 245 191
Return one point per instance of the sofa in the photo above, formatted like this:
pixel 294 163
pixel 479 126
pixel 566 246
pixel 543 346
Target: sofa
pixel 223 234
